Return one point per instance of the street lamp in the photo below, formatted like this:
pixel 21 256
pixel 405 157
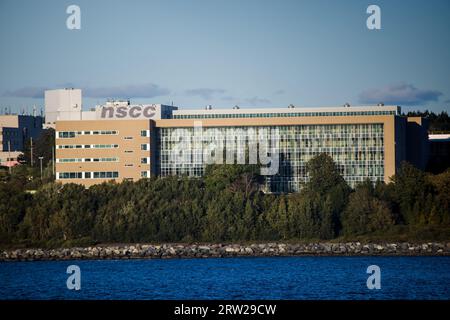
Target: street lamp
pixel 40 160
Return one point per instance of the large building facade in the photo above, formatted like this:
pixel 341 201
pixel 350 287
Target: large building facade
pixel 93 151
pixel 139 141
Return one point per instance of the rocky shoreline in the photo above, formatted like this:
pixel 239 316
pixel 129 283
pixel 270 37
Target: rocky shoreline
pixel 176 250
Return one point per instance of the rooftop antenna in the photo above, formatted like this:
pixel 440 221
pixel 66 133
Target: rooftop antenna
pixel 34 110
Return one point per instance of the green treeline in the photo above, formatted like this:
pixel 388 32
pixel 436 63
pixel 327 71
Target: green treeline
pixel 226 205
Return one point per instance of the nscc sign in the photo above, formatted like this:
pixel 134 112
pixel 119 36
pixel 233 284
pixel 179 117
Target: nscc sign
pixel 128 112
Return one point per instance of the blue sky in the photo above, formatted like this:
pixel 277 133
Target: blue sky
pixel 252 53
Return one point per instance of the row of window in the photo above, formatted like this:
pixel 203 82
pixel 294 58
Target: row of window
pixel 113 159
pixel 73 134
pixel 88 175
pixel 87 146
pixel 14 133
pixel 343 130
pixel 144 146
pixel 96 175
pixel 287 114
pixel 65 160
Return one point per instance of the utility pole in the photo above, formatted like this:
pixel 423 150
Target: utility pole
pixel 40 160
pixel 9 156
pixel 53 160
pixel 31 151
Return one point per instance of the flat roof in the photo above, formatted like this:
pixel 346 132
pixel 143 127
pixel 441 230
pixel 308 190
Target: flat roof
pixel 287 110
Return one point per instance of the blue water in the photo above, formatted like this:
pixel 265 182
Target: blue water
pixel 230 278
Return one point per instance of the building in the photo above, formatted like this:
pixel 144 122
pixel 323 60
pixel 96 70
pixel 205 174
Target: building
pixel 365 142
pixel 119 141
pixel 9 158
pixel 417 144
pixel 439 152
pixel 93 151
pixel 15 132
pixel 62 104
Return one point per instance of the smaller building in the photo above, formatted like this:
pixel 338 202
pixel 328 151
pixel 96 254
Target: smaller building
pixel 16 130
pixel 417 144
pixel 62 104
pixel 439 160
pixel 9 159
pixel 95 151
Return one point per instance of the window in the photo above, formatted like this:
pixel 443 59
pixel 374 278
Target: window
pixel 143 146
pixel 143 133
pixel 144 160
pixel 105 146
pixel 105 174
pixel 70 175
pixel 73 134
pixel 69 160
pixel 144 174
pixel 66 134
pixel 357 149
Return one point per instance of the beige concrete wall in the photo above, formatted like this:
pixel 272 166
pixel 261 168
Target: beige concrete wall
pixel 125 128
pixel 10 121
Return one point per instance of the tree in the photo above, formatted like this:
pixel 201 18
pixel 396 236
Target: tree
pixel 304 216
pixel 365 213
pixel 42 147
pixel 37 221
pixel 323 175
pixel 440 212
pixel 326 195
pixel 244 178
pixel 13 204
pixel 411 188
